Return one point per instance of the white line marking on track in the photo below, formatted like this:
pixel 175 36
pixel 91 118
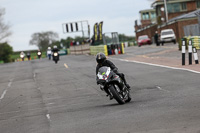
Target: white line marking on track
pixel 49 103
pixel 48 117
pixel 161 89
pixel 66 65
pixel 4 92
pixel 34 75
pixel 175 68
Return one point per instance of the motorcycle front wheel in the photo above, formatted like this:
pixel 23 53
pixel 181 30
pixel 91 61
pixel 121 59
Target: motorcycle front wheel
pixel 117 96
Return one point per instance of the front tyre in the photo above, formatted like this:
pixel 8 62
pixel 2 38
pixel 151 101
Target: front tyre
pixel 116 95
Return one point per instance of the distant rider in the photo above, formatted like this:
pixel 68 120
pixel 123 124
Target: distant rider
pixel 102 61
pixel 22 55
pixel 39 54
pixel 55 49
pixel 28 55
pixel 49 52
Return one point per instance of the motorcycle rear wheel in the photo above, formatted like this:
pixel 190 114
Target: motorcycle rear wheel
pixel 116 95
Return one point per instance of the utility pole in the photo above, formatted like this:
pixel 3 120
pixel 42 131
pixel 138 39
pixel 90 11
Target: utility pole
pixel 166 12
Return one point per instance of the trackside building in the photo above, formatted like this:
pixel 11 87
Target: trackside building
pixel 181 18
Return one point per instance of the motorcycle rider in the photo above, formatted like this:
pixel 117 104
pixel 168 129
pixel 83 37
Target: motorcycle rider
pixel 49 52
pixel 39 54
pixel 28 55
pixel 55 49
pixel 22 55
pixel 102 61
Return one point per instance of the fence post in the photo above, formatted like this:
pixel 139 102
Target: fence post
pixel 195 55
pixel 190 51
pixel 183 51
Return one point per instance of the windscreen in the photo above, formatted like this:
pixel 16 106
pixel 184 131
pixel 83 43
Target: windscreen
pixel 143 37
pixel 103 73
pixel 103 70
pixel 167 33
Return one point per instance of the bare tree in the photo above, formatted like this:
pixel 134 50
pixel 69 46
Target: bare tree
pixel 43 39
pixel 4 28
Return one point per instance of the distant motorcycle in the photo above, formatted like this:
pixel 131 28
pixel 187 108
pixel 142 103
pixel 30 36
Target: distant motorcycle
pixel 39 54
pixel 22 57
pixel 113 85
pixel 56 57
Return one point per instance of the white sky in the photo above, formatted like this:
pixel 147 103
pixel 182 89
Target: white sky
pixel 30 16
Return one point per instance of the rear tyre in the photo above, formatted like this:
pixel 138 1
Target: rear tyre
pixel 116 95
pixel 56 61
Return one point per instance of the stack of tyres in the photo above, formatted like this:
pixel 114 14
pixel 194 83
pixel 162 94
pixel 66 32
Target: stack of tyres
pixel 109 50
pixel 113 49
pixel 116 49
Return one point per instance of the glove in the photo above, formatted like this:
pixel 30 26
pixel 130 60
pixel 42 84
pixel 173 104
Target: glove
pixel 115 70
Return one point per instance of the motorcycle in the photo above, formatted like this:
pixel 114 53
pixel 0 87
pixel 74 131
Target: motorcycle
pixel 113 85
pixel 39 54
pixel 55 57
pixel 22 57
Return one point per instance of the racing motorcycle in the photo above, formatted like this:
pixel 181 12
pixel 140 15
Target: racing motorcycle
pixel 113 85
pixel 39 54
pixel 22 57
pixel 56 57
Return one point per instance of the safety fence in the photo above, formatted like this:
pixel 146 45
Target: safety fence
pixel 195 41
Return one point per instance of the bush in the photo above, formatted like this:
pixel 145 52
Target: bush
pixel 5 52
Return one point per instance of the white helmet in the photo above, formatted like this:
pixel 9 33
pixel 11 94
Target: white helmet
pixel 49 48
pixel 54 46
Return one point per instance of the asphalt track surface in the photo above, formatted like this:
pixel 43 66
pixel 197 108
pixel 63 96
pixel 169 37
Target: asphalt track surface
pixel 43 97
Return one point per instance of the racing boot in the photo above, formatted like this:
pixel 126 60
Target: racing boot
pixel 128 86
pixel 108 94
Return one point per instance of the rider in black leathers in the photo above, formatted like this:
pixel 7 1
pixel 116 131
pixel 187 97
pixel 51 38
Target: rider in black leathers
pixel 102 61
pixel 55 49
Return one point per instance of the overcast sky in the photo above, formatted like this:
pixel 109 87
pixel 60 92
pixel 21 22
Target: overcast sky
pixel 30 16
